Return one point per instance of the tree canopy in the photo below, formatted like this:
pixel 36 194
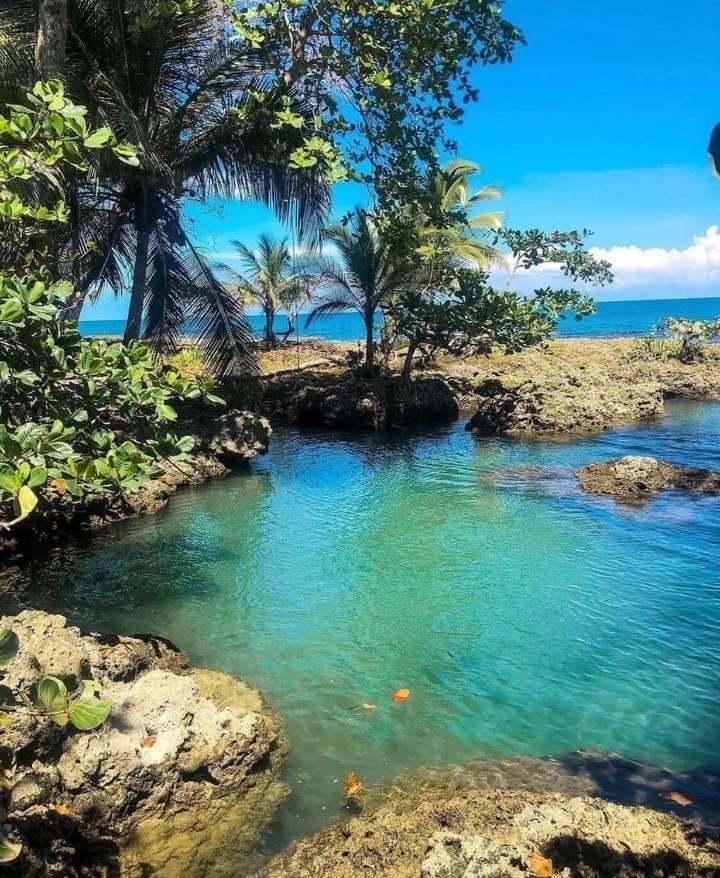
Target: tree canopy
pixel 385 76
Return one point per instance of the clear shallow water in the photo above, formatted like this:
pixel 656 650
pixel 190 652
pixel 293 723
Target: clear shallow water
pixel 612 319
pixel 526 618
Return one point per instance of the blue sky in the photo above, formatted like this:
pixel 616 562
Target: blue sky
pixel 601 121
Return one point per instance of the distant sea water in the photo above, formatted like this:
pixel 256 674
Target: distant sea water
pixel 612 320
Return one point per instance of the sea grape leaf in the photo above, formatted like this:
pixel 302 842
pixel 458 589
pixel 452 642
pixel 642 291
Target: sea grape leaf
pixel 9 850
pixel 88 712
pixel 9 645
pixel 49 694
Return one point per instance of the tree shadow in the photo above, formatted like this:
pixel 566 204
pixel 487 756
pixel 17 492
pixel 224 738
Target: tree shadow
pixel 586 859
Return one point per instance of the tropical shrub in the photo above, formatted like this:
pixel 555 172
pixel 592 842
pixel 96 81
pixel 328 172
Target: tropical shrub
pixel 679 339
pixel 77 417
pixel 64 700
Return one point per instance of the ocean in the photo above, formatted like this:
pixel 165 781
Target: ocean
pixel 612 320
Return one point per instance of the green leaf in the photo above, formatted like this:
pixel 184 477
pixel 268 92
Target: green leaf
pixel 9 850
pixel 98 138
pixel 49 694
pixel 9 645
pixel 89 712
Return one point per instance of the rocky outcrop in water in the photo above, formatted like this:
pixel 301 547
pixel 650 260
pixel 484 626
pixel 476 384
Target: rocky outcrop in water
pixel 575 387
pixel 637 478
pixel 502 834
pixel 348 402
pixel 178 782
pixel 222 441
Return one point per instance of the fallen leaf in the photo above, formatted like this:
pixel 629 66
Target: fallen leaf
pixel 63 810
pixel 149 741
pixel 678 798
pixel 367 706
pixel 400 695
pixel 541 867
pixel 60 485
pixel 352 785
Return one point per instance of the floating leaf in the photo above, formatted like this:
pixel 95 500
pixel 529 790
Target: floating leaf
pixel 9 645
pixel 540 867
pixel 352 785
pixel 368 706
pixel 400 695
pixel 678 798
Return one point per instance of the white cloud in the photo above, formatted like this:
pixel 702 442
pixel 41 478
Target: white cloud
pixel 695 267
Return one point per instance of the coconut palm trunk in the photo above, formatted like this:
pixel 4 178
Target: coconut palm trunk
pixel 370 340
pixel 133 324
pixel 50 38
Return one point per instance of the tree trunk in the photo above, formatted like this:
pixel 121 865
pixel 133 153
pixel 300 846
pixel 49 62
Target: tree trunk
pixel 137 296
pixel 407 365
pixel 269 327
pixel 369 342
pixel 50 39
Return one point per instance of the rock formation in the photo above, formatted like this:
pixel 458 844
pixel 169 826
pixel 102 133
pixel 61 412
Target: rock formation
pixel 637 478
pixel 502 834
pixel 179 780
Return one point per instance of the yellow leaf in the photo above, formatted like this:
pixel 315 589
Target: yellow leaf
pixel 400 695
pixel 541 867
pixel 60 485
pixel 63 810
pixel 367 706
pixel 26 500
pixel 352 785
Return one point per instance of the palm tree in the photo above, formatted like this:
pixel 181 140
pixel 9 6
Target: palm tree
pixel 201 115
pixel 367 275
pixel 445 221
pixel 270 281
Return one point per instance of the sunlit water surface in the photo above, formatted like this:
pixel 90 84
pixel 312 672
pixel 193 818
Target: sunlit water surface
pixel 524 617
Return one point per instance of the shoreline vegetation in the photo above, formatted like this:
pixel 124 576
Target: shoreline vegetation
pixel 116 758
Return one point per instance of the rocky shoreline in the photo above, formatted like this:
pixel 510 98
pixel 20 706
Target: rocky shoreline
pixel 571 387
pixel 502 834
pixel 222 441
pixel 179 781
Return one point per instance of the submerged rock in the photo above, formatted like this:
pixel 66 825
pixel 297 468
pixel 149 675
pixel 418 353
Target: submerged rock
pixel 179 776
pixel 636 478
pixel 349 402
pixel 502 834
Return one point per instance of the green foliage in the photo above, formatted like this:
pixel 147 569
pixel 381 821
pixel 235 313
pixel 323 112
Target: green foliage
pixel 63 700
pixel 461 313
pixel 384 78
pixel 567 250
pixel 270 278
pixel 679 339
pixel 475 318
pixel 76 417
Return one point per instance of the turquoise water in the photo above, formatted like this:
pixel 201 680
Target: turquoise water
pixel 612 319
pixel 524 617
